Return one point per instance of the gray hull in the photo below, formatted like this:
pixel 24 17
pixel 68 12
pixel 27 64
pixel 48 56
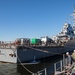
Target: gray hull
pixel 26 54
pixel 29 54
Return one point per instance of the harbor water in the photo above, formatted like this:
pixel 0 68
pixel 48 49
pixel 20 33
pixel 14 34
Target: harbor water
pixel 17 69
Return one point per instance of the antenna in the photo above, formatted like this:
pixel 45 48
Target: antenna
pixel 73 15
pixel 74 6
pixel 73 18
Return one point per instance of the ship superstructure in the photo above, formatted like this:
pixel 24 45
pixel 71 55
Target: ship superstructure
pixel 65 34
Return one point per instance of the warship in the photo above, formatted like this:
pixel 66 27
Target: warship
pixel 25 49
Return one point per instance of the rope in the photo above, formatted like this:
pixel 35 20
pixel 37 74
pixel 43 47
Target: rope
pixel 23 65
pixel 45 51
pixel 26 68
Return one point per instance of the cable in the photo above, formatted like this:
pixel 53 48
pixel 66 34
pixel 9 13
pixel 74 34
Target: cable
pixel 26 68
pixel 23 65
pixel 45 51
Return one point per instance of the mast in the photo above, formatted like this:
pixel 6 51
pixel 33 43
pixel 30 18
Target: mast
pixel 73 19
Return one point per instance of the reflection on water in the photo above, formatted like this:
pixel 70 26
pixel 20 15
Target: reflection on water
pixel 17 69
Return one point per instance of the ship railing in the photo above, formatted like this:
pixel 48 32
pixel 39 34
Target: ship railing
pixel 61 66
pixel 11 44
pixel 58 68
pixel 41 72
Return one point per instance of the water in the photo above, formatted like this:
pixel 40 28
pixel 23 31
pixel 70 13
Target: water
pixel 17 69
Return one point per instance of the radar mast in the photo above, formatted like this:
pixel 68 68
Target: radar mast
pixel 73 18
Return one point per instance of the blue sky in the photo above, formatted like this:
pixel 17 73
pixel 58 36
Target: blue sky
pixel 33 18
